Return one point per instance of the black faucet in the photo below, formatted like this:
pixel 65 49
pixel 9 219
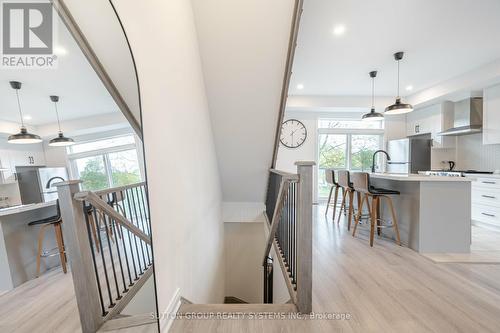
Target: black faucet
pixel 51 179
pixel 373 158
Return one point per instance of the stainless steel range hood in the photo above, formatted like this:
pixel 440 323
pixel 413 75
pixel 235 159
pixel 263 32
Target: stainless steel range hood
pixel 468 117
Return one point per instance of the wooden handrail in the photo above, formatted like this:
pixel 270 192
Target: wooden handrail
pixel 119 188
pixel 289 176
pixel 97 202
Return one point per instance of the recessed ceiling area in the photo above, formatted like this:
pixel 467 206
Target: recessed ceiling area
pixel 81 92
pixel 341 41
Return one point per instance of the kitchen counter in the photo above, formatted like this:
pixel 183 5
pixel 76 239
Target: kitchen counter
pixel 25 208
pixel 18 243
pixel 482 175
pixel 434 212
pixel 419 178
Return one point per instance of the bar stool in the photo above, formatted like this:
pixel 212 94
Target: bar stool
pixel 334 187
pixel 54 221
pixel 361 183
pixel 344 181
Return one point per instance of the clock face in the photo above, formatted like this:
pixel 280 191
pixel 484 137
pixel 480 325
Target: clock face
pixel 293 133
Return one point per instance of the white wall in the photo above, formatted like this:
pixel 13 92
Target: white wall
pixel 472 154
pixel 243 49
pixel 244 252
pixel 184 185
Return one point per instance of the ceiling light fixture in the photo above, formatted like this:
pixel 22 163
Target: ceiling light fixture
pixel 409 88
pixel 372 115
pixel 398 107
pixel 27 117
pixel 23 137
pixel 339 30
pixel 61 140
pixel 300 86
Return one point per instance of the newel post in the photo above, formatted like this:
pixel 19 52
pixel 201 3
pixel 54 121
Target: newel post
pixel 304 236
pixel 79 256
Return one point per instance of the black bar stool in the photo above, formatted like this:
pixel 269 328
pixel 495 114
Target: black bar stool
pixel 361 183
pixel 344 181
pixel 54 221
pixel 334 188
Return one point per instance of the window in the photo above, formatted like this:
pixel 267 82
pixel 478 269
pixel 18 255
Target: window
pixel 105 163
pixel 346 144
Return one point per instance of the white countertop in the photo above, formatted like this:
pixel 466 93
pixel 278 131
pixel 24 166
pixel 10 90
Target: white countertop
pixel 25 208
pixel 418 178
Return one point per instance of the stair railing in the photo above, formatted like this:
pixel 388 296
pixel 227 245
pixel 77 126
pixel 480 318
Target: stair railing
pixel 289 215
pixel 107 236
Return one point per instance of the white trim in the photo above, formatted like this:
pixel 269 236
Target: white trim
pixel 167 317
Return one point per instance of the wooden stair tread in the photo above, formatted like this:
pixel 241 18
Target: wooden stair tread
pixel 127 322
pixel 237 308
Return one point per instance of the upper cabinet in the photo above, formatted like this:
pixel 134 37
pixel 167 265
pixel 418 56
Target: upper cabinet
pixel 432 120
pixel 12 158
pixel 491 115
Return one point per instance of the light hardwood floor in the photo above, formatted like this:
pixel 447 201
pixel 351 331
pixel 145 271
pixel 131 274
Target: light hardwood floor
pixel 386 288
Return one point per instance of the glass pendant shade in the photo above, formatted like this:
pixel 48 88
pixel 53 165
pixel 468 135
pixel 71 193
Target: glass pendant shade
pixel 23 137
pixel 398 107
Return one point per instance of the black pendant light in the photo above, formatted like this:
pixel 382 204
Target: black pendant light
pixel 372 115
pixel 398 107
pixel 23 137
pixel 61 140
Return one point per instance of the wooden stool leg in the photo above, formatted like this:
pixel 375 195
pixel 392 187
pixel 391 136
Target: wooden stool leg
pixel 379 230
pixel 335 201
pixel 373 223
pixel 358 216
pixel 59 239
pixel 328 202
pixel 41 235
pixel 394 220
pixel 342 205
pixel 351 208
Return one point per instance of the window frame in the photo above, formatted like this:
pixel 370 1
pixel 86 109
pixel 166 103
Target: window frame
pixel 348 132
pixel 104 154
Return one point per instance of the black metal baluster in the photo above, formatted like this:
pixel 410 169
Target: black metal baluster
pixel 146 221
pixel 97 221
pixel 130 241
pixel 116 231
pixel 89 234
pixel 292 227
pixel 141 242
pixel 142 212
pixel 107 219
pixel 131 218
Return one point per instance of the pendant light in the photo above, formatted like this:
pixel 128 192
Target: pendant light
pixel 61 140
pixel 372 115
pixel 23 137
pixel 398 107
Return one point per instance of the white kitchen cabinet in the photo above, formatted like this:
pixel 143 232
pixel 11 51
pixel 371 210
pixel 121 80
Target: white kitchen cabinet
pixel 432 120
pixel 491 115
pixel 22 156
pixel 486 201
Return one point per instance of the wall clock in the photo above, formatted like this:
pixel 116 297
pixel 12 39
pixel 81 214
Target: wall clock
pixel 293 133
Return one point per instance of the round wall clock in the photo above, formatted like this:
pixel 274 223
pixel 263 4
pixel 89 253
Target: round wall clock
pixel 293 133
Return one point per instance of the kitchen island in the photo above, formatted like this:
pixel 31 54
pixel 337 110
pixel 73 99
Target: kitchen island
pixel 18 243
pixel 434 212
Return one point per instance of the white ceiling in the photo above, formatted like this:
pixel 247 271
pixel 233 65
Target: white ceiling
pixel 81 92
pixel 441 39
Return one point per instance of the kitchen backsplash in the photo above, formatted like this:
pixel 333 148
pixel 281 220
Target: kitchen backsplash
pixel 472 154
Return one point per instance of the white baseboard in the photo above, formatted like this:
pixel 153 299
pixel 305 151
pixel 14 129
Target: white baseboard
pixel 167 317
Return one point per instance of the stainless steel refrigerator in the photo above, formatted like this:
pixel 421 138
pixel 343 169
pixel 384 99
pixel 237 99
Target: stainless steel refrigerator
pixel 409 155
pixel 33 183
